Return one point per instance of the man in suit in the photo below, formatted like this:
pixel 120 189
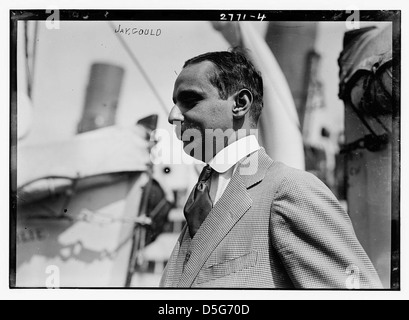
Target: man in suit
pixel 252 221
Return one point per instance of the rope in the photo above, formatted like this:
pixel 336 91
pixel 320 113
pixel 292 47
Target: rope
pixel 92 217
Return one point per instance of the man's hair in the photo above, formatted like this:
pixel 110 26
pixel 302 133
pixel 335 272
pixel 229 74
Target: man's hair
pixel 234 71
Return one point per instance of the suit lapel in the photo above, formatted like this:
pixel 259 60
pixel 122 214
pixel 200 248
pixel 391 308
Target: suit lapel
pixel 173 270
pixel 227 211
pixel 233 204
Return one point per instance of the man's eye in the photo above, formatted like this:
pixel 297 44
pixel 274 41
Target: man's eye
pixel 190 103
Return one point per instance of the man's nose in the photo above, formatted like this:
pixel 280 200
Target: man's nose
pixel 175 115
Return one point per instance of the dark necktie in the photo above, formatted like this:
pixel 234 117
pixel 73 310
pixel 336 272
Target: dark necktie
pixel 199 203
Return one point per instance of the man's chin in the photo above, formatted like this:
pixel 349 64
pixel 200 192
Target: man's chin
pixel 193 149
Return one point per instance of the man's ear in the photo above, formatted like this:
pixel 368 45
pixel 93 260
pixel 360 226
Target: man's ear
pixel 242 103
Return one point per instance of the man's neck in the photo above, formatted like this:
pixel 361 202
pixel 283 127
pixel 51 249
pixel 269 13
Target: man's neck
pixel 233 153
pixel 216 141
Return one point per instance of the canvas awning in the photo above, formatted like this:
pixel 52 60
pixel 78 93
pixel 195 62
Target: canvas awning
pixel 88 159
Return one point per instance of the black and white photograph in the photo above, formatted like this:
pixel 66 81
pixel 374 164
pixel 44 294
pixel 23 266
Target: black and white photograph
pixel 205 149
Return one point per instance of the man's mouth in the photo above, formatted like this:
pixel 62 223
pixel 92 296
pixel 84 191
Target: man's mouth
pixel 180 129
pixel 187 132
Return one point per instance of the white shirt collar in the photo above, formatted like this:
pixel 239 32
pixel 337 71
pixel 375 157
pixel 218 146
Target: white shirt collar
pixel 226 158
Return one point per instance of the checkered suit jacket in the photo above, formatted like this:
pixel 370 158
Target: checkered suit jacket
pixel 277 227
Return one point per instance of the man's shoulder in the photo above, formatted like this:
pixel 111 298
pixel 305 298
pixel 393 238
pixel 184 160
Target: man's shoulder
pixel 286 181
pixel 261 167
pixel 278 173
pixel 281 171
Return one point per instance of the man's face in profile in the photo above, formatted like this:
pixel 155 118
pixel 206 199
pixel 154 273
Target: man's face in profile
pixel 198 106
